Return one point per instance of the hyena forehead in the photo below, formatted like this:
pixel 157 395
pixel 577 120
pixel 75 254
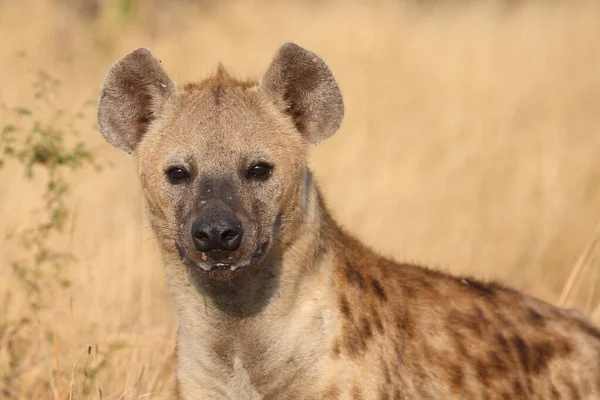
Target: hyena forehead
pixel 225 121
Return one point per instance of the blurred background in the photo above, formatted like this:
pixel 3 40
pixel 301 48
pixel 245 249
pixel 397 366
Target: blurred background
pixel 471 144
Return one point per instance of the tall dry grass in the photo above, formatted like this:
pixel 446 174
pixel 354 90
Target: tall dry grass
pixel 471 143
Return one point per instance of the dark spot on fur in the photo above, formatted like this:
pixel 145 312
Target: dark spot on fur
pixel 355 341
pixel 541 354
pixel 405 323
pixel 397 395
pixel 502 343
pixel 482 372
pixel 457 376
pixel 376 319
pixel 522 351
pixel 409 292
pixel 336 349
pixel 146 118
pixel 518 389
pixel 491 368
pixel 355 277
pixel 497 363
pixel 554 393
pixel 383 394
pixel 378 289
pixel 563 347
pixel 378 323
pixel 535 318
pixel 366 328
pixel 352 346
pixel 345 307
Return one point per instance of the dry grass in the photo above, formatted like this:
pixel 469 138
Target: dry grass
pixel 471 143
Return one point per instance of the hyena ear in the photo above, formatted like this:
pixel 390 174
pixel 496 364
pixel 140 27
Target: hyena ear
pixel 303 86
pixel 134 93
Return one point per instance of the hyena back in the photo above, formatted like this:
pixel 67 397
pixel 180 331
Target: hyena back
pixel 274 300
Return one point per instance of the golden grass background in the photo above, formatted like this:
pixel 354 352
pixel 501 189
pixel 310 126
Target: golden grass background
pixel 471 143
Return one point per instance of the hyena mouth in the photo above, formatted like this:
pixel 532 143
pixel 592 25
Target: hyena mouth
pixel 223 266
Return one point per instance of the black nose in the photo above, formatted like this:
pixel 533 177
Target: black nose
pixel 217 230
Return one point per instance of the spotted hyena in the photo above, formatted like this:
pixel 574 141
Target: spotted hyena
pixel 274 299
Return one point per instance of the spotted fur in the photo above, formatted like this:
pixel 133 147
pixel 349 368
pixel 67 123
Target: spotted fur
pixel 317 314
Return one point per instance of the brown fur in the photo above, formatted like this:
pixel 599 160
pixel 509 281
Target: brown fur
pixel 316 315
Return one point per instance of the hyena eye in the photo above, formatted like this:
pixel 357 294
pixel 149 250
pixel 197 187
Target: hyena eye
pixel 260 171
pixel 177 175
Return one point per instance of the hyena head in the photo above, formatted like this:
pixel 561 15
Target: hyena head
pixel 222 162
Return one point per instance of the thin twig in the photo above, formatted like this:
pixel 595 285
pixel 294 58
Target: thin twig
pixel 73 376
pixel 579 265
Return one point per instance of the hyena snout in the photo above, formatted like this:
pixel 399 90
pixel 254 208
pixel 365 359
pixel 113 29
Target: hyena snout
pixel 217 229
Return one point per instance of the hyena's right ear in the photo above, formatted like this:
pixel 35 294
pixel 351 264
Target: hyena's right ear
pixel 134 92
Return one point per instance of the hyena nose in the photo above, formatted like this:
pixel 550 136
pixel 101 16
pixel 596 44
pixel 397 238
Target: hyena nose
pixel 217 231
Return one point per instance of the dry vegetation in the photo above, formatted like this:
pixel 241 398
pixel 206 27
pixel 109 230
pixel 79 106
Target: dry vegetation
pixel 471 144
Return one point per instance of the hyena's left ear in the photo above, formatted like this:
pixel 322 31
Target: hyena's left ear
pixel 134 93
pixel 303 86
